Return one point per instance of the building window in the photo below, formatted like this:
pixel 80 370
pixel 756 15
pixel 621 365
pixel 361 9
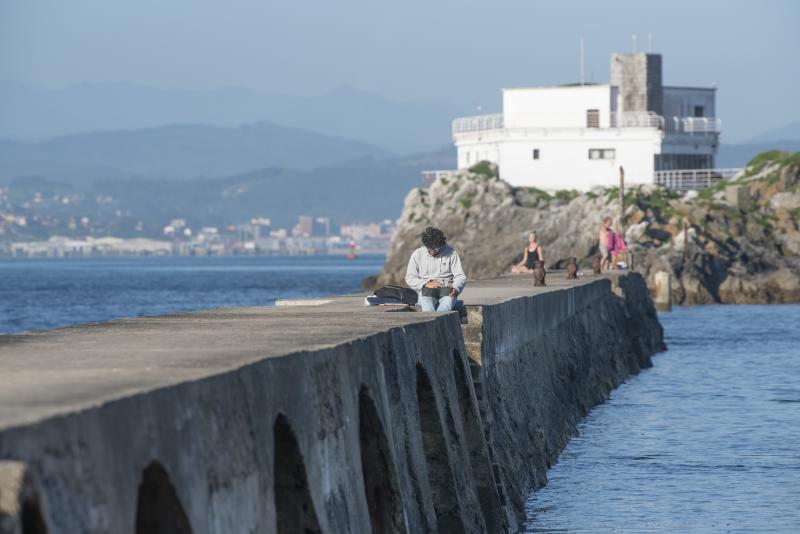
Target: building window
pixel 672 162
pixel 467 157
pixel 535 153
pixel 593 118
pixel 699 111
pixel 602 153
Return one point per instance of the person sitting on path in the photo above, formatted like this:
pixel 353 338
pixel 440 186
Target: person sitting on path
pixel 616 247
pixel 530 255
pixel 435 272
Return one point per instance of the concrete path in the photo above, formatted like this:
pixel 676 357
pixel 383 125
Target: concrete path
pixel 44 374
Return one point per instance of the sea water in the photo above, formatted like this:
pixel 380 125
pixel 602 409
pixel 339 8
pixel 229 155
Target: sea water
pixel 707 440
pixel 47 293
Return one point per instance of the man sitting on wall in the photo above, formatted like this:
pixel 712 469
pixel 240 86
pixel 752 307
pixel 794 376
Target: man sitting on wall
pixel 435 272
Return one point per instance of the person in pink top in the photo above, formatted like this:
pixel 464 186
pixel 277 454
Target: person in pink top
pixel 616 245
pixel 610 244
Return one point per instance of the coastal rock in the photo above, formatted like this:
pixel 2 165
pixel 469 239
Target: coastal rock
pixel 790 243
pixel 785 201
pixel 715 252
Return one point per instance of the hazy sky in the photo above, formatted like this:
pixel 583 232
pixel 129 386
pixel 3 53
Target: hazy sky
pixel 457 51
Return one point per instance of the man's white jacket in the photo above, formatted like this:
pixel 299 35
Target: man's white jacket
pixel 445 267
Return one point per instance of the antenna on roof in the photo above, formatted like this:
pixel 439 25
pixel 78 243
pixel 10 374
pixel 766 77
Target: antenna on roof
pixel 582 61
pixel 649 43
pixel 633 42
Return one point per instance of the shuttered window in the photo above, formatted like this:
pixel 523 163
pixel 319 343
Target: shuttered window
pixel 593 118
pixel 602 153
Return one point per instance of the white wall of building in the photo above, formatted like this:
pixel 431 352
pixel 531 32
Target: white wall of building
pixel 564 161
pixel 471 152
pixel 557 107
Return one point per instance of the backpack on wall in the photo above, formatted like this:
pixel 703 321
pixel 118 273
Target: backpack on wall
pixel 401 294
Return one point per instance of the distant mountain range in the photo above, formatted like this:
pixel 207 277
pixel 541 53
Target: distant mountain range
pixel 187 151
pixel 790 132
pixel 29 112
pixel 180 151
pixel 785 138
pixel 367 189
pixel 737 155
pixel 362 190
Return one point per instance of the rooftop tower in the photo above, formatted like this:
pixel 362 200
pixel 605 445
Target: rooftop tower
pixel 638 77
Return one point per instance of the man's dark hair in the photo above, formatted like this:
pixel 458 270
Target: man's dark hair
pixel 433 237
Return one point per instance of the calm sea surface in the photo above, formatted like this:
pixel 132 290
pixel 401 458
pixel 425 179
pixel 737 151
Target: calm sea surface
pixel 708 440
pixel 47 293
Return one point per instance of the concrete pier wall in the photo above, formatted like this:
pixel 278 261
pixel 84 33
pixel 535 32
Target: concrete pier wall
pixel 546 361
pixel 335 419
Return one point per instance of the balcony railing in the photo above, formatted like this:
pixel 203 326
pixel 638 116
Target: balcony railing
pixel 690 125
pixel 478 123
pixel 698 179
pixel 693 125
pixel 630 119
pixel 637 119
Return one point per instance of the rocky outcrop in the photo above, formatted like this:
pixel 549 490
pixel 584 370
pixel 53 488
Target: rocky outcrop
pixel 736 242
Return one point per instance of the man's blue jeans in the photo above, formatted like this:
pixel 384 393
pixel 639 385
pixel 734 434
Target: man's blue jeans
pixel 443 304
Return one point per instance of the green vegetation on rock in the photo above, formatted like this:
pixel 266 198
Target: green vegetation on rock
pixel 566 194
pixel 484 168
pixel 773 157
pixel 544 195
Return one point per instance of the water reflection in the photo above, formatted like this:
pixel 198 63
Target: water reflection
pixel 708 440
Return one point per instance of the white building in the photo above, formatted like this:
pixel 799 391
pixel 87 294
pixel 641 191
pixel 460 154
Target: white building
pixel 577 136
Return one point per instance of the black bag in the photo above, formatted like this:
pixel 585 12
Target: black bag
pixel 436 292
pixel 401 294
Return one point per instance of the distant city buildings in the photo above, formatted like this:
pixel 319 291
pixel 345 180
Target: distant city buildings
pixel 38 221
pixel 59 246
pixel 304 226
pixel 308 226
pixel 358 232
pixel 177 227
pixel 311 235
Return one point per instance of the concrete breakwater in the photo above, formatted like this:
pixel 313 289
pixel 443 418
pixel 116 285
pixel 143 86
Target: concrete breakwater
pixel 332 418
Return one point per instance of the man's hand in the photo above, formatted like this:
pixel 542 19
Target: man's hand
pixel 434 284
pixel 454 293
